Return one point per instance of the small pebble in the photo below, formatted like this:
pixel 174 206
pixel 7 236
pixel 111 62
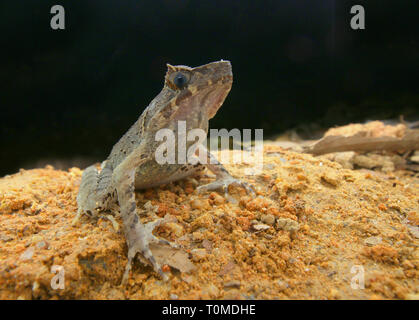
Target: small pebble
pixel 259 227
pixel 232 284
pixel 282 285
pixel 198 254
pixel 372 241
pixel 36 238
pixel 197 236
pixel 176 228
pixel 27 255
pixel 287 224
pixel 211 290
pixel 207 245
pixel 197 204
pixel 5 238
pixel 269 166
pixel 268 219
pixel 331 178
pixel 216 198
pixel 41 244
pixel 233 294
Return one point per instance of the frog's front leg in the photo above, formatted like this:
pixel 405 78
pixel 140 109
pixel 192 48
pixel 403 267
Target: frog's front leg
pixel 222 177
pixel 138 236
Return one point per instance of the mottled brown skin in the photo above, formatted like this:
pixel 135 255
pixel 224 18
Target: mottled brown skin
pixel 131 164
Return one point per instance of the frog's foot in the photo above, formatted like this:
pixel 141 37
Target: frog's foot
pixel 139 238
pixel 89 207
pixel 111 218
pixel 85 208
pixel 224 183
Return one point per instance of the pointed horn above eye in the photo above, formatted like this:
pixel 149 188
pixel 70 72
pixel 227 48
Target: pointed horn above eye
pixel 170 67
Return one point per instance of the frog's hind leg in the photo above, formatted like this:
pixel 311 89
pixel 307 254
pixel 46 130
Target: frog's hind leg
pixel 138 236
pixel 95 193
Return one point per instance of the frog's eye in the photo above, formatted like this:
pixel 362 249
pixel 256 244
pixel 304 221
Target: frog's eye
pixel 180 80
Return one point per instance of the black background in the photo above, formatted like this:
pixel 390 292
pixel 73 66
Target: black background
pixel 70 94
pixel 264 308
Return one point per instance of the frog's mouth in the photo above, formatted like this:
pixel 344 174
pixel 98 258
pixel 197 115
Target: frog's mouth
pixel 219 86
pixel 206 101
pixel 215 98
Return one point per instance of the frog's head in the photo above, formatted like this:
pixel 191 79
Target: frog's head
pixel 197 89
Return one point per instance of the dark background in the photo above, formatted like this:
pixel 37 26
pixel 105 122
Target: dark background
pixel 70 94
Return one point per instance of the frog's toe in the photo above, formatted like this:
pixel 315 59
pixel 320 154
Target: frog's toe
pixel 148 255
pixel 247 186
pixel 164 242
pixel 139 239
pixel 224 184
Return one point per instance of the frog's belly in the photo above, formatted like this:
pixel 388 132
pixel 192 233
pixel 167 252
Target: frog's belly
pixel 155 175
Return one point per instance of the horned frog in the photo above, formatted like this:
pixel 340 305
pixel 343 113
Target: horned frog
pixel 192 95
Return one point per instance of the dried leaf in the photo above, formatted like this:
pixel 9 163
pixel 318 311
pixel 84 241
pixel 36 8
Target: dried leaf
pixel 362 142
pixel 173 257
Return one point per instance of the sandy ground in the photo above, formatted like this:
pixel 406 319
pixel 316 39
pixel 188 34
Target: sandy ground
pixel 313 227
